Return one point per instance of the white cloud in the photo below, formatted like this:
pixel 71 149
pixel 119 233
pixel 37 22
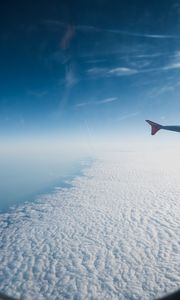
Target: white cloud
pixel 38 94
pixel 175 65
pixel 127 116
pixel 71 78
pixel 157 91
pixel 105 72
pixel 108 100
pixel 177 54
pixel 97 71
pixel 113 235
pixel 121 71
pixel 56 24
pixel 98 102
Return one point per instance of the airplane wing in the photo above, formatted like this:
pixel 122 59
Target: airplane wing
pixel 154 127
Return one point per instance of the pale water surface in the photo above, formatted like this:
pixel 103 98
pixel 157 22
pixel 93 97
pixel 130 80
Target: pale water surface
pixel 22 180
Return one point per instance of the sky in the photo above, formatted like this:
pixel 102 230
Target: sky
pixel 95 68
pixel 76 77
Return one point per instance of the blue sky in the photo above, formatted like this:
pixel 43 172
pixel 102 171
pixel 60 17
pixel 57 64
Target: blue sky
pixel 96 67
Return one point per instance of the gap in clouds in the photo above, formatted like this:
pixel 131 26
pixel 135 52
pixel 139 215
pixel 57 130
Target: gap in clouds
pixel 30 168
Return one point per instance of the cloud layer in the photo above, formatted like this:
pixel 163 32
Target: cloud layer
pixel 113 235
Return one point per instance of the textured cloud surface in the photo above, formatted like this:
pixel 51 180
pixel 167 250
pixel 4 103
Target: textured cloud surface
pixel 113 235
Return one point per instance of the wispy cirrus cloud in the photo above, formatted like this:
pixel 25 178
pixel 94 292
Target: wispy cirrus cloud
pixel 96 61
pixel 123 117
pixel 174 62
pixel 144 35
pixel 97 71
pixel 37 94
pixel 57 24
pixel 127 116
pixel 156 92
pixel 105 72
pixel 175 65
pixel 122 71
pixel 98 102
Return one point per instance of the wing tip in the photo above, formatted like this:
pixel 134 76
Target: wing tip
pixel 155 127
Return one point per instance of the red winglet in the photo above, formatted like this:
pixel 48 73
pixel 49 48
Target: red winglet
pixel 154 126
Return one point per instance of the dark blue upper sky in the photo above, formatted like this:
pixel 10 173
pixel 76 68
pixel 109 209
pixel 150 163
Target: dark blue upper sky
pixel 66 66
